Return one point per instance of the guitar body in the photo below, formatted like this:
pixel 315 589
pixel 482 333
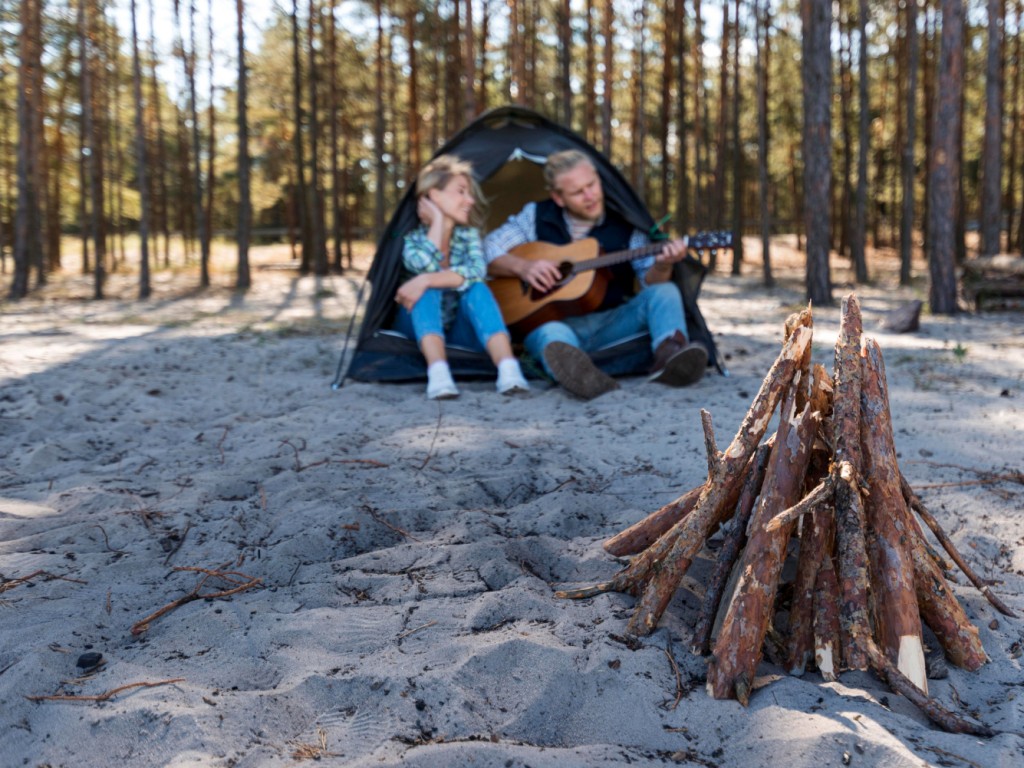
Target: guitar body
pixel 579 293
pixel 585 277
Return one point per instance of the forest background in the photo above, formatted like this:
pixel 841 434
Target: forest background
pixel 131 142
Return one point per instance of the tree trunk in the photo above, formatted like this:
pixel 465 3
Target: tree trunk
pixel 161 201
pixel 140 158
pixel 859 233
pixel 590 79
pixel 318 235
pixel 722 141
pixel 333 118
pixel 1013 221
pixel 763 41
pixel 816 16
pixel 564 14
pixel 841 211
pixel 189 61
pixel 944 163
pixel 992 152
pixel 95 151
pixel 301 194
pixel 379 214
pixel 637 165
pixel 607 25
pixel 243 278
pixel 469 66
pixel 27 248
pixel 907 150
pixel 669 22
pixel 683 208
pixel 737 152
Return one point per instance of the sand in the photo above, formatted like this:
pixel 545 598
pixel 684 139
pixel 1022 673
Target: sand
pixel 407 550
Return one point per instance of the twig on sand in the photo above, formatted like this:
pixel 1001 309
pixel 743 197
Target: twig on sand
pixel 313 751
pixel 181 540
pixel 106 695
pixel 400 531
pixel 220 443
pixel 106 540
pixel 9 584
pixel 414 630
pixel 437 430
pixel 242 581
pixel 679 677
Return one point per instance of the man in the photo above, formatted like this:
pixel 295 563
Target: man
pixel 574 211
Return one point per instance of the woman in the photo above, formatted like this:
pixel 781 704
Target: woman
pixel 447 298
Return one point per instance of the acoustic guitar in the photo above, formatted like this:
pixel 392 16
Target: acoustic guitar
pixel 583 283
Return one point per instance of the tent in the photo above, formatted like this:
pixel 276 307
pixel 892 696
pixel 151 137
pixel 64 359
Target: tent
pixel 507 147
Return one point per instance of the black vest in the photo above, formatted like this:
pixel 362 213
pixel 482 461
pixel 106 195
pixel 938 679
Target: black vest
pixel 612 234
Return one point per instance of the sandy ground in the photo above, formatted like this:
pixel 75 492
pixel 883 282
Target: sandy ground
pixel 407 550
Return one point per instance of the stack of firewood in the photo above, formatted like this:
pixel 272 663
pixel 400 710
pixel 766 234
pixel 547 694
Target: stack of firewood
pixel 828 480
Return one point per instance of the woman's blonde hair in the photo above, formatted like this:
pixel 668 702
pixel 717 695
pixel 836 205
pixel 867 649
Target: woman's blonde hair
pixel 442 169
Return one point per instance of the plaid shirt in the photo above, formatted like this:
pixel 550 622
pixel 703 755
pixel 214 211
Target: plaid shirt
pixel 465 252
pixel 522 228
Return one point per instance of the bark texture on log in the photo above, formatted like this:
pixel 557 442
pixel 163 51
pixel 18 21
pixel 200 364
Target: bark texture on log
pixel 688 535
pixel 944 615
pixel 737 650
pixel 641 535
pixel 817 531
pixel 735 541
pixel 898 618
pixel 828 656
pixel 853 562
pixel 853 568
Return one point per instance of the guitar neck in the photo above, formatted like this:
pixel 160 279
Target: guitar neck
pixel 618 257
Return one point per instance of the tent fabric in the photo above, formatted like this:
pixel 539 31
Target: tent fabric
pixel 507 147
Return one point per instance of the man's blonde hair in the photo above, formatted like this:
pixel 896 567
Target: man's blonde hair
pixel 561 162
pixel 440 171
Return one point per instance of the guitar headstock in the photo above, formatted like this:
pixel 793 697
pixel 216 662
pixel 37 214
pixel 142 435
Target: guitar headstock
pixel 710 241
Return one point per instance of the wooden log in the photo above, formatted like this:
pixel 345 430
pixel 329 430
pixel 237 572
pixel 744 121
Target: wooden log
pixel 942 612
pixel 817 531
pixel 738 648
pixel 828 655
pixel 846 386
pixel 915 503
pixel 641 535
pixel 938 714
pixel 665 563
pixel 898 618
pixel 853 568
pixel 818 498
pixel 853 562
pixel 734 542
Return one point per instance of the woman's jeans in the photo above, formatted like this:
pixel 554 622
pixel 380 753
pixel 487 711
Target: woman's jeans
pixel 657 309
pixel 477 317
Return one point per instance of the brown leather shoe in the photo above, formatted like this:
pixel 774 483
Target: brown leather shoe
pixel 679 363
pixel 576 372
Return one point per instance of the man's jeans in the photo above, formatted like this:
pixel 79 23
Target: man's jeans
pixel 477 317
pixel 657 309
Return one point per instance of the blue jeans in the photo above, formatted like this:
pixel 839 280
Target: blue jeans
pixel 477 317
pixel 657 310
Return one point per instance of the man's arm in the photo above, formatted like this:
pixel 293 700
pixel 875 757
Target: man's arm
pixel 519 229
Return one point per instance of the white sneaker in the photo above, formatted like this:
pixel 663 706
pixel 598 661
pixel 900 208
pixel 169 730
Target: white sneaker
pixel 441 386
pixel 512 383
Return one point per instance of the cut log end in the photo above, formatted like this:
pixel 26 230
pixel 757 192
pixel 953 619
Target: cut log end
pixel 910 661
pixel 824 658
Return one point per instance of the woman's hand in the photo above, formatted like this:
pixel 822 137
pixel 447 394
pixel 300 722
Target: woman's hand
pixel 428 211
pixel 412 291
